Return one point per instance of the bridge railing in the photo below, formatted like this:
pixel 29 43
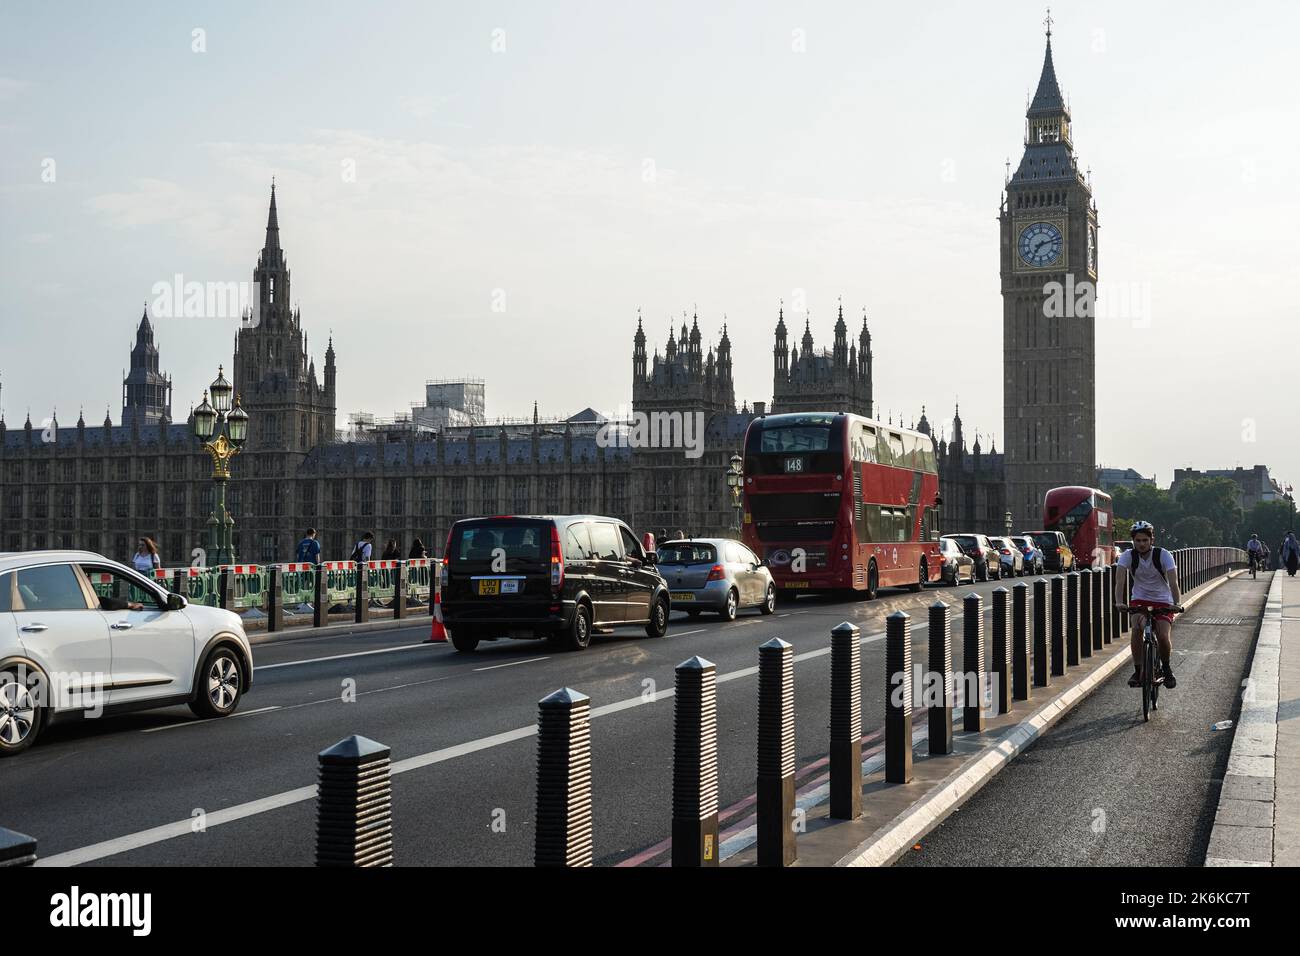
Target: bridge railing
pixel 265 595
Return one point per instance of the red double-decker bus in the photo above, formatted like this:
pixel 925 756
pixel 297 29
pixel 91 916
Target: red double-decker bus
pixel 838 502
pixel 1086 518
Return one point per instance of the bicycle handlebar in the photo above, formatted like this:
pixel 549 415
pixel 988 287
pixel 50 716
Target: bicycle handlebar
pixel 1130 609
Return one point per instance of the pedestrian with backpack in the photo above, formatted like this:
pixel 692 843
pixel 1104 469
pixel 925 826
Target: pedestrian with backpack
pixel 308 549
pixel 365 547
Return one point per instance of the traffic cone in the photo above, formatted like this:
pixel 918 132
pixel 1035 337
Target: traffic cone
pixel 437 632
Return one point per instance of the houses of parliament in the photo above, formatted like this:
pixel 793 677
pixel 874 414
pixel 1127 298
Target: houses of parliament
pixel 101 486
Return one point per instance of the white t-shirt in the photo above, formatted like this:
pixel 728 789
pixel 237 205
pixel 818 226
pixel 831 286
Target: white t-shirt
pixel 1148 585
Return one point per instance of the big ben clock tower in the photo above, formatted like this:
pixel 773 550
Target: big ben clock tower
pixel 1049 270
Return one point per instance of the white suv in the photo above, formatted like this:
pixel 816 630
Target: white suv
pixel 82 636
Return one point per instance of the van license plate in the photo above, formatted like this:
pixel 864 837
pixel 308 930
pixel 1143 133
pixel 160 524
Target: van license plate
pixel 489 587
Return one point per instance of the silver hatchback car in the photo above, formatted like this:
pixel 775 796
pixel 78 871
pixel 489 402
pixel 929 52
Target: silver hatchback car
pixel 715 574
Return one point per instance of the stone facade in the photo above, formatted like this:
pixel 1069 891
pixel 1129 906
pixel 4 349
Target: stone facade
pixel 1048 261
pixel 101 487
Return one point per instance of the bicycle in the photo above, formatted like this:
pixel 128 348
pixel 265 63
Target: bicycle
pixel 1150 654
pixel 1256 560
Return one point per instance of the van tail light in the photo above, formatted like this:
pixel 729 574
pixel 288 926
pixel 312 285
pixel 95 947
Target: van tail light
pixel 717 573
pixel 557 560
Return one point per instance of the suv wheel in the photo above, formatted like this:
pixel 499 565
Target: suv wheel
pixel 769 600
pixel 21 717
pixel 728 611
pixel 221 684
pixel 657 626
pixel 463 640
pixel 578 637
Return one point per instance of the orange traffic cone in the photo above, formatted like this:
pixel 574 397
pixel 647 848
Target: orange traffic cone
pixel 437 632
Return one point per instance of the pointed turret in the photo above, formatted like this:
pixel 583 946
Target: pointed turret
pixel 273 223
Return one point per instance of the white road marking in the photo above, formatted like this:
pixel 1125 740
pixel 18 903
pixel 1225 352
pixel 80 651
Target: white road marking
pixel 527 660
pixel 208 720
pixel 339 657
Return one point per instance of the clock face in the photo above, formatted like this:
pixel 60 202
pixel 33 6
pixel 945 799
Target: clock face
pixel 1040 244
pixel 1092 249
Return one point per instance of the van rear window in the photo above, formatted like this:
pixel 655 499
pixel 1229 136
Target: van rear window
pixel 515 540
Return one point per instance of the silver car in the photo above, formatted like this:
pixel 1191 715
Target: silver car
pixel 715 574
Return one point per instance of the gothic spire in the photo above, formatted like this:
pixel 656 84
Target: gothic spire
pixel 272 223
pixel 1047 99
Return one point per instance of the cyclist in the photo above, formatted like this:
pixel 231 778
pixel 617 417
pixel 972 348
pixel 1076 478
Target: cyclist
pixel 1257 552
pixel 1155 584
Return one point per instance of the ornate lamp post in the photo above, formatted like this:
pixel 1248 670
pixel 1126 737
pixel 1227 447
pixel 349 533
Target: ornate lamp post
pixel 735 481
pixel 229 424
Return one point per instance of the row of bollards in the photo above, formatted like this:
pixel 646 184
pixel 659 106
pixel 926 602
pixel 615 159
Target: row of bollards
pixel 1069 618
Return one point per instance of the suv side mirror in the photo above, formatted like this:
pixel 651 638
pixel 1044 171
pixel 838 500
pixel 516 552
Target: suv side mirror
pixel 651 558
pixel 176 602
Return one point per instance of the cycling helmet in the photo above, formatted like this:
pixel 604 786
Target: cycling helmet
pixel 1143 526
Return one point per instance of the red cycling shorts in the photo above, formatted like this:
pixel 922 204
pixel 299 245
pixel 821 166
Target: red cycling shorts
pixel 1159 615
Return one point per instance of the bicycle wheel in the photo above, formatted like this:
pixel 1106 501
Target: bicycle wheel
pixel 1155 686
pixel 1148 682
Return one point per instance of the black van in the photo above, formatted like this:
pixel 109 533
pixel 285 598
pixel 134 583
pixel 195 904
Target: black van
pixel 552 576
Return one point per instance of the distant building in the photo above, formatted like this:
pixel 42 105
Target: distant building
pixel 830 380
pixel 973 486
pixel 1253 484
pixel 451 402
pixel 1108 479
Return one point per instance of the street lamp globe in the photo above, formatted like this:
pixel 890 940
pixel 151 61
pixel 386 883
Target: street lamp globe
pixel 221 390
pixel 205 419
pixel 237 422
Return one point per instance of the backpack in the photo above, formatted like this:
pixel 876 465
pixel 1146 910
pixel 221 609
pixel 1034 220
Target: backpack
pixel 356 552
pixel 1157 562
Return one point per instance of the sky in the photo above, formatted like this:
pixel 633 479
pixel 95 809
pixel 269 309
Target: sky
pixel 493 190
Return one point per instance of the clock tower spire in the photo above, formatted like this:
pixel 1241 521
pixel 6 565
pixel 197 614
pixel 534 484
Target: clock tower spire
pixel 1048 224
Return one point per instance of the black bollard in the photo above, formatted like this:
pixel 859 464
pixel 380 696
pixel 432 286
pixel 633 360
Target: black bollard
pixel 226 589
pixel 354 805
pixel 399 590
pixel 775 794
pixel 320 612
pixel 695 764
pixel 362 592
pixel 1072 619
pixel 1056 625
pixel 563 835
pixel 1085 611
pixel 1001 652
pixel 1098 620
pixel 16 849
pixel 274 599
pixel 1020 650
pixel 938 686
pixel 898 698
pixel 1042 654
pixel 972 664
pixel 846 722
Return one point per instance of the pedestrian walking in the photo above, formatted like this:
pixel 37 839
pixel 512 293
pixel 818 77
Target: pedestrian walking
pixel 418 550
pixel 365 547
pixel 308 549
pixel 146 557
pixel 392 551
pixel 1290 553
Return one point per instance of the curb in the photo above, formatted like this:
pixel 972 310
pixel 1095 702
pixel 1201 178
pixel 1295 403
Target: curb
pixel 892 840
pixel 342 629
pixel 1244 820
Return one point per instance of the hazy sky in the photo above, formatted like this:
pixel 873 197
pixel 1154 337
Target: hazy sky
pixel 574 162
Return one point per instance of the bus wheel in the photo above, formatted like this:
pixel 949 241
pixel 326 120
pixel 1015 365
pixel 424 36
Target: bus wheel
pixel 873 582
pixel 922 576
